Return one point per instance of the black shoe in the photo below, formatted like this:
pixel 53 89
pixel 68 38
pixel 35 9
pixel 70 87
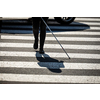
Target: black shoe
pixel 35 45
pixel 41 51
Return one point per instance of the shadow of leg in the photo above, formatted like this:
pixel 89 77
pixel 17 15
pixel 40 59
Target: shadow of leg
pixel 52 64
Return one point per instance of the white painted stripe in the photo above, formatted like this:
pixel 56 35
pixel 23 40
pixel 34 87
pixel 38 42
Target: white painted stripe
pixel 49 54
pixel 85 23
pixel 52 38
pixel 19 64
pixel 17 37
pixel 84 47
pixel 57 33
pixel 77 18
pixel 12 18
pixel 88 19
pixel 75 33
pixel 56 46
pixel 74 38
pixel 49 78
pixel 26 45
pixel 94 28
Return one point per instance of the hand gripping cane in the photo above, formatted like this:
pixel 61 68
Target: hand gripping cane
pixel 55 37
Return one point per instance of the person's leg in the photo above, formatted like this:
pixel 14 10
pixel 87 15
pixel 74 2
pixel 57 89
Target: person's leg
pixel 35 21
pixel 42 34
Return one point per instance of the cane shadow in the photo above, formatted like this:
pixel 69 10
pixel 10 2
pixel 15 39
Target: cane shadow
pixel 51 64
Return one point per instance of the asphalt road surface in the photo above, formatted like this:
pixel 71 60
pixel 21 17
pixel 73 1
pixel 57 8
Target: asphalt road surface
pixel 20 63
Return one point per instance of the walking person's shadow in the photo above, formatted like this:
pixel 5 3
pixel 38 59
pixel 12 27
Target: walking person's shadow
pixel 52 64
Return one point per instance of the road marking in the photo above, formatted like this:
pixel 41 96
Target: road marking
pixel 49 78
pixel 49 54
pixel 85 23
pixel 49 38
pixel 56 46
pixel 52 65
pixel 74 39
pixel 87 19
pixel 17 37
pixel 75 33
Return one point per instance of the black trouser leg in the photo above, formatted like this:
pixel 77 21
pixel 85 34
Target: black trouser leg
pixel 36 21
pixel 42 33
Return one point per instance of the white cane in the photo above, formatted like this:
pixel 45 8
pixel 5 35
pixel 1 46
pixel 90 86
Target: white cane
pixel 55 37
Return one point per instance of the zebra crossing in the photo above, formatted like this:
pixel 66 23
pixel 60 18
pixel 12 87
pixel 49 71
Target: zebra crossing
pixel 20 63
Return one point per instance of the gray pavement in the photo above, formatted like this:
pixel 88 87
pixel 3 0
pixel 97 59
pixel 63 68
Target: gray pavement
pixel 20 63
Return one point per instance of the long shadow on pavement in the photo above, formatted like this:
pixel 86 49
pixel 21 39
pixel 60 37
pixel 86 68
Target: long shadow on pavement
pixel 25 27
pixel 46 61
